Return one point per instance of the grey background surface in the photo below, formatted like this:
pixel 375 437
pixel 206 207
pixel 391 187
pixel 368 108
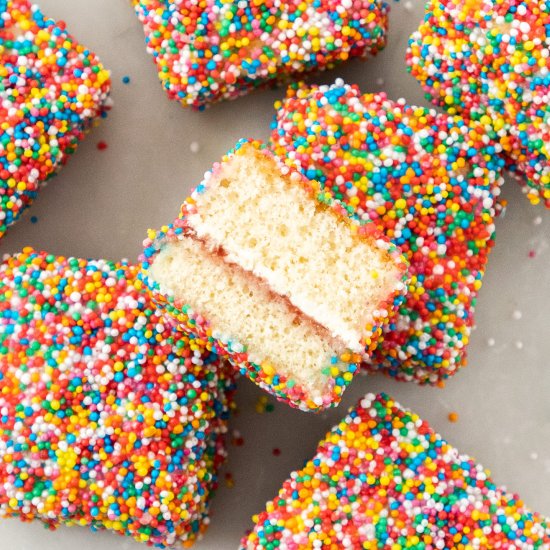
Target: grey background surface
pixel 103 202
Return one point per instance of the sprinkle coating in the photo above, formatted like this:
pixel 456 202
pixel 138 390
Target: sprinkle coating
pixel 51 90
pixel 340 371
pixel 213 49
pixel 490 60
pixel 430 182
pixel 109 417
pixel 382 478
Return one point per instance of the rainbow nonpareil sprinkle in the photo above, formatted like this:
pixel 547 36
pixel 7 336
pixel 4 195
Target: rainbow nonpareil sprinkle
pixel 109 418
pixel 51 90
pixel 383 479
pixel 430 182
pixel 218 49
pixel 490 61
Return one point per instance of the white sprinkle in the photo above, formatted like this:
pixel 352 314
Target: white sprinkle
pixel 517 315
pixel 194 147
pixel 519 344
pixel 534 456
pixel 537 220
pixel 524 27
pixel 490 342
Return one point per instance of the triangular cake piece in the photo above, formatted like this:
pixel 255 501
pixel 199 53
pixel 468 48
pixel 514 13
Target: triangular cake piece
pixel 382 478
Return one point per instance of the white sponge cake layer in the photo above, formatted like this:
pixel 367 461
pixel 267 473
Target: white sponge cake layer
pixel 242 310
pixel 271 227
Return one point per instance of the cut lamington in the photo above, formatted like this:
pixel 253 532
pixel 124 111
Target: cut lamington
pixel 275 275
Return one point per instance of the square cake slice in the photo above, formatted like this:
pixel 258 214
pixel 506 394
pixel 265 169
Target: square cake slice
pixel 207 50
pixel 277 275
pixel 430 182
pixel 52 90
